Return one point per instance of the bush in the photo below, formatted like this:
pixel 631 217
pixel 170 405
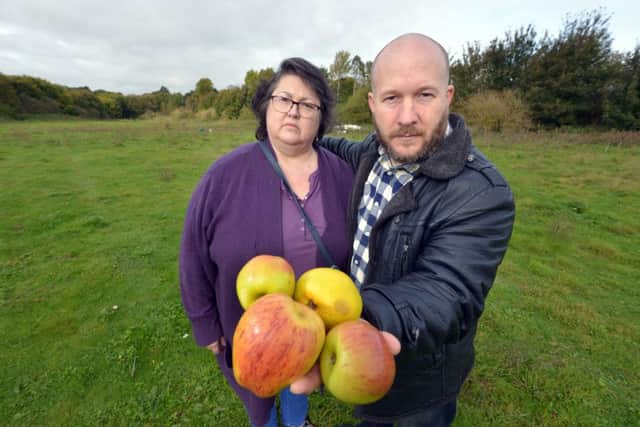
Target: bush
pixel 356 109
pixel 496 111
pixel 246 113
pixel 209 114
pixel 181 114
pixel 42 105
pixel 10 105
pixel 7 111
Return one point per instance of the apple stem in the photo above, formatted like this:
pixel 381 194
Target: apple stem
pixel 311 305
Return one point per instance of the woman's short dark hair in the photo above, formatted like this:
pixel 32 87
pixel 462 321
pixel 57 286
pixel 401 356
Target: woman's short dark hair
pixel 308 73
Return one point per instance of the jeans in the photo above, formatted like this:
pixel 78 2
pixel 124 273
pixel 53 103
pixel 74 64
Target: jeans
pixel 440 416
pixel 293 410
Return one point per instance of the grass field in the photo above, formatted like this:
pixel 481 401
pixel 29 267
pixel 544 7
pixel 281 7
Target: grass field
pixel 93 331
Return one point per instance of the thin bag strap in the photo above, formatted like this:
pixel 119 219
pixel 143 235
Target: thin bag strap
pixel 316 236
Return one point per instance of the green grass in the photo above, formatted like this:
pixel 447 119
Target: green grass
pixel 93 332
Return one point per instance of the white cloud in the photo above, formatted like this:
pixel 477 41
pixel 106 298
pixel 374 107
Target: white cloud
pixel 137 46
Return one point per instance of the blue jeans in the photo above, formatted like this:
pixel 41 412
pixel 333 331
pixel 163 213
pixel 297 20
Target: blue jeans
pixel 440 416
pixel 293 410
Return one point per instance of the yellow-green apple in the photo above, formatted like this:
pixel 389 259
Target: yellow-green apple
pixel 264 274
pixel 276 341
pixel 331 293
pixel 356 363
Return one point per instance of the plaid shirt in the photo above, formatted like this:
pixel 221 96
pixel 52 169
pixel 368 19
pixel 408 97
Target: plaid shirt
pixel 382 184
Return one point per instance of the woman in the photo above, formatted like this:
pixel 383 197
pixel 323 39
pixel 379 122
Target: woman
pixel 241 209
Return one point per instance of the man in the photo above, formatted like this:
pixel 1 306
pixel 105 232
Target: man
pixel 431 218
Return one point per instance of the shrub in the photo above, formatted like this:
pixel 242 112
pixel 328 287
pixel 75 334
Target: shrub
pixel 496 111
pixel 246 113
pixel 208 114
pixel 181 114
pixel 356 109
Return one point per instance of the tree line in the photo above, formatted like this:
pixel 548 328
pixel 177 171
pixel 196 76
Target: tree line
pixel 571 79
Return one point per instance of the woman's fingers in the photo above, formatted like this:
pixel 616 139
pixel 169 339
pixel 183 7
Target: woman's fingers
pixel 308 383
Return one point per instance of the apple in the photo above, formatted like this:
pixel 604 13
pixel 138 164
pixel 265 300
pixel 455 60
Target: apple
pixel 276 341
pixel 356 363
pixel 264 274
pixel 331 293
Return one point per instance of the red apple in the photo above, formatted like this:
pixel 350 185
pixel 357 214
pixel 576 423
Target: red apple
pixel 276 341
pixel 264 274
pixel 356 363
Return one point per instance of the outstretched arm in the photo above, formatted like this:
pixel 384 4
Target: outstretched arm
pixel 347 150
pixel 443 296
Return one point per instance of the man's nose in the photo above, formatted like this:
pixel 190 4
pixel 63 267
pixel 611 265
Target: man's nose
pixel 407 114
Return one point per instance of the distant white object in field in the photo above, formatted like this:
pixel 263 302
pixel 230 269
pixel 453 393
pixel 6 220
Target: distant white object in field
pixel 347 127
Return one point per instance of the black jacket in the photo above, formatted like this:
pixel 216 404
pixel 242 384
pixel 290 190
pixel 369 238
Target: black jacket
pixel 434 253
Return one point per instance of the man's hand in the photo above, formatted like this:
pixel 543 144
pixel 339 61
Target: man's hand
pixel 217 346
pixel 312 380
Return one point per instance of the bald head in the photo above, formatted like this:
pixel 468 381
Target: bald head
pixel 413 45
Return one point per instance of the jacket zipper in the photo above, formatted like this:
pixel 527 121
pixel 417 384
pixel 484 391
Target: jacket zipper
pixel 404 255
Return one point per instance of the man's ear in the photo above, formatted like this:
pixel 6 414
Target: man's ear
pixel 372 102
pixel 451 90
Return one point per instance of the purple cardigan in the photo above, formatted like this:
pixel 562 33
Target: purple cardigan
pixel 235 213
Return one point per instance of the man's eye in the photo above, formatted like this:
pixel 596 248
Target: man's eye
pixel 390 99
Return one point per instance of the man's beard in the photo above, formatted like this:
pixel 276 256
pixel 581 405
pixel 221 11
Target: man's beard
pixel 428 146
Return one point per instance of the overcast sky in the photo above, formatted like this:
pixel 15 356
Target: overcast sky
pixel 137 46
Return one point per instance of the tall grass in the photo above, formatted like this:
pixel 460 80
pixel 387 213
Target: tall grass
pixel 93 330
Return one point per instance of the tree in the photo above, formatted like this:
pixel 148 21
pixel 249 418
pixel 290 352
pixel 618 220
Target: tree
pixel 467 73
pixel 204 94
pixel 230 102
pixel 162 98
pixel 505 60
pixel 501 66
pixel 358 71
pixel 340 68
pixel 133 106
pixel 86 104
pixel 568 77
pixel 165 101
pixel 204 86
pixel 622 104
pixel 522 46
pixel 253 78
pixel 113 103
pixel 10 104
pixel 368 66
